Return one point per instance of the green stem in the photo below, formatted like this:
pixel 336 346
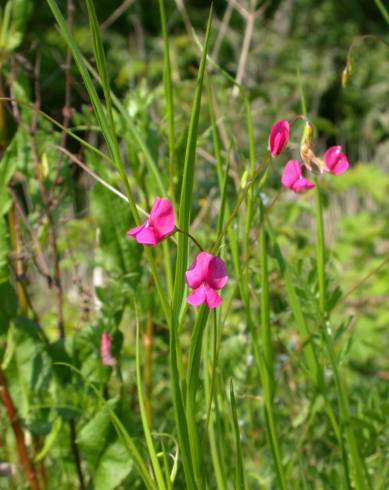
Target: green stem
pixel 344 408
pixel 382 9
pixel 267 371
pixel 194 240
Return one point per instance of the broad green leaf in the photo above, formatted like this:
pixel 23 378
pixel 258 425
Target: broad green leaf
pixel 114 466
pixel 94 436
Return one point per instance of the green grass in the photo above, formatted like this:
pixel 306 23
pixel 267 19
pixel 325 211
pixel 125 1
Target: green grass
pixel 282 387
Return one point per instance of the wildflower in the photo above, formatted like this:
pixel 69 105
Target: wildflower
pixel 205 276
pixel 158 226
pixel 105 350
pixel 293 179
pixel 278 137
pixel 335 161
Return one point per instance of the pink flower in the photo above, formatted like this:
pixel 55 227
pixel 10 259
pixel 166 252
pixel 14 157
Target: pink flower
pixel 105 350
pixel 205 276
pixel 158 226
pixel 278 137
pixel 336 162
pixel 293 179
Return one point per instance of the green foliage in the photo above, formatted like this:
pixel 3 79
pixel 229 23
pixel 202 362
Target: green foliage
pixel 285 385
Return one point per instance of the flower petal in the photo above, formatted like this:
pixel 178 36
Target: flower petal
pixel 217 274
pixel 331 156
pixel 197 297
pixel 198 271
pixel 336 161
pixel 302 185
pixel 278 137
pixel 162 217
pixel 105 350
pixel 341 165
pixel 291 173
pixel 146 236
pixel 213 300
pixel 136 230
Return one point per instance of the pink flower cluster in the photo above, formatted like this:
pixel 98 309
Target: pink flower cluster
pixel 334 160
pixel 205 276
pixel 208 274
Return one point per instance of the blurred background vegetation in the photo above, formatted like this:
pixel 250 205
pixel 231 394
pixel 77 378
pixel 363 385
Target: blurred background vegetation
pixel 291 44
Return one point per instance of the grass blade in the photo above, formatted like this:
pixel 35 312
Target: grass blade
pixel 146 429
pixel 189 445
pixel 240 483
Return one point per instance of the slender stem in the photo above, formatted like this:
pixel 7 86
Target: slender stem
pixel 194 240
pixel 19 268
pixel 148 367
pixel 262 166
pixel 382 9
pixel 344 408
pixel 267 370
pixel 209 384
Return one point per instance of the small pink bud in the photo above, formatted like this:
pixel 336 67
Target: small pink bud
pixel 158 226
pixel 293 179
pixel 205 276
pixel 335 161
pixel 105 350
pixel 278 137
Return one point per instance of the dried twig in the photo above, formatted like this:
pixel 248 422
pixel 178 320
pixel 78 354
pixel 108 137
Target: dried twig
pixel 116 14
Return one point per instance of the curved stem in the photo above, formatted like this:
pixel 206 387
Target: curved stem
pixel 191 237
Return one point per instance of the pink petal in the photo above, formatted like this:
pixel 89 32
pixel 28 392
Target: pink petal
pixel 162 217
pixel 302 184
pixel 105 350
pixel 217 274
pixel 331 156
pixel 198 271
pixel 341 165
pixel 213 300
pixel 278 137
pixel 136 230
pixel 147 236
pixel 197 297
pixel 291 173
pixel 336 161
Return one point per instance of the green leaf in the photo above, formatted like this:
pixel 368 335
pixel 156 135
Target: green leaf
pixel 113 468
pixel 50 439
pixel 94 436
pixel 106 455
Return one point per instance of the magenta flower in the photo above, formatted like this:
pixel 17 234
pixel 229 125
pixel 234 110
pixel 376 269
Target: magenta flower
pixel 158 226
pixel 205 276
pixel 336 162
pixel 293 179
pixel 278 137
pixel 105 350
